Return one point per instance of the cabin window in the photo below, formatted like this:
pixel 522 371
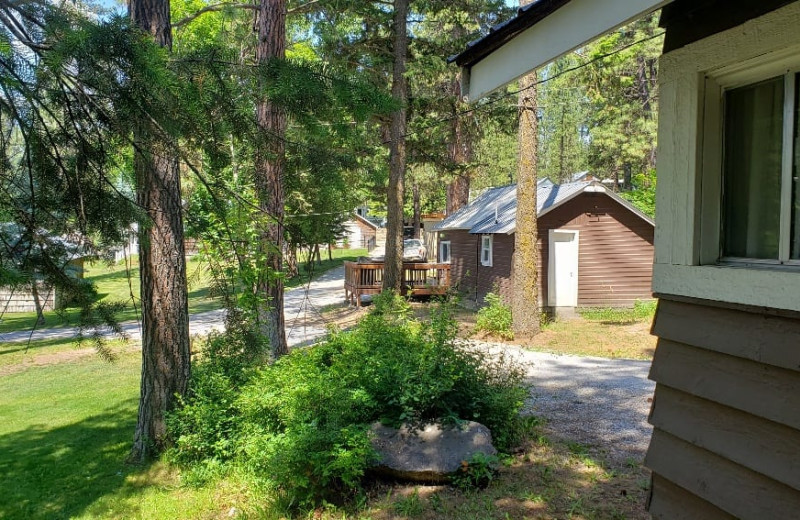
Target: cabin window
pixel 444 252
pixel 486 250
pixel 760 206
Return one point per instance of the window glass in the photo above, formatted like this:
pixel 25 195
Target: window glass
pixel 444 252
pixel 486 250
pixel 752 170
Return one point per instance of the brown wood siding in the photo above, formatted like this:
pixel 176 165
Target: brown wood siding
pixel 463 262
pixel 615 254
pixel 615 250
pixel 725 412
pixel 499 275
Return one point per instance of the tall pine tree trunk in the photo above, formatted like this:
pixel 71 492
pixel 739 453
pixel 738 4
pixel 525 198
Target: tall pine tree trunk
pixel 270 158
pixel 417 203
pixel 162 262
pixel 393 266
pixel 460 151
pixel 526 259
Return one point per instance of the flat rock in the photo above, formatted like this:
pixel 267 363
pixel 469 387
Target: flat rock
pixel 429 454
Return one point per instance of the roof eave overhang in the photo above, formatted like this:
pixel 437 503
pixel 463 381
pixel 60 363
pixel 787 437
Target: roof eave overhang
pixel 543 32
pixel 438 229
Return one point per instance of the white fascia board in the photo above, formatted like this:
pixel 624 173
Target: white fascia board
pixel 575 24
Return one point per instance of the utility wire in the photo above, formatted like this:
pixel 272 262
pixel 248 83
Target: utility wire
pixel 508 94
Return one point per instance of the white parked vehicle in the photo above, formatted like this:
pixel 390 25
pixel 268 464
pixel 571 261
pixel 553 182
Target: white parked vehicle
pixel 414 250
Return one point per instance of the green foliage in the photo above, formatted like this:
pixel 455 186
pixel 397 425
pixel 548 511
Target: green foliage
pixel 643 194
pixel 300 426
pixel 495 317
pixel 477 472
pixel 598 107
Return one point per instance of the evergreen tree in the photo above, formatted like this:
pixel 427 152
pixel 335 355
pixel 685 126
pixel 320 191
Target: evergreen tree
pixel 162 260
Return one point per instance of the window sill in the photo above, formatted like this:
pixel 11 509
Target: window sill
pixel 746 263
pixel 770 286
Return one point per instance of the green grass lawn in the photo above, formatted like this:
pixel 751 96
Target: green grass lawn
pixel 67 428
pixel 117 283
pixel 65 433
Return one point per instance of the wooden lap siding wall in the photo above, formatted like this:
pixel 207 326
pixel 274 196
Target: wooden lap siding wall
pixel 726 410
pixel 726 430
pixel 615 263
pixel 615 250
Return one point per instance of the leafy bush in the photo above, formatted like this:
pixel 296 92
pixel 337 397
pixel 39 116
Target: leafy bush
pixel 495 317
pixel 477 472
pixel 300 426
pixel 204 427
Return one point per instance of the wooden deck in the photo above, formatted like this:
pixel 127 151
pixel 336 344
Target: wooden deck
pixel 418 279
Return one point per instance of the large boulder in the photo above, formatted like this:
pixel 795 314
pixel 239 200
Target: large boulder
pixel 429 454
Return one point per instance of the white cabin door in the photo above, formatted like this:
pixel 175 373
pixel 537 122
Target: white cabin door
pixel 562 279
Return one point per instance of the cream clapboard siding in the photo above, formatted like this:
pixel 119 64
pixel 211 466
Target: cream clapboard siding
pixel 726 410
pixel 682 218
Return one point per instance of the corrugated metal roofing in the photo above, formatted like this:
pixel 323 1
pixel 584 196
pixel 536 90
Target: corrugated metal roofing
pixel 495 210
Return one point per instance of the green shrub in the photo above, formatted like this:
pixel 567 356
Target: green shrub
pixel 495 317
pixel 300 427
pixel 203 428
pixel 477 472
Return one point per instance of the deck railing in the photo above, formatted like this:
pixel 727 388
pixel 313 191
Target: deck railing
pixel 419 278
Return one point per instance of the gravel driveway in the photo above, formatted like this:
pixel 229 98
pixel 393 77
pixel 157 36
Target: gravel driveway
pixel 598 402
pixel 302 306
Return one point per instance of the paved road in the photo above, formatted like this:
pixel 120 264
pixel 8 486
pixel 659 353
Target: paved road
pixel 301 310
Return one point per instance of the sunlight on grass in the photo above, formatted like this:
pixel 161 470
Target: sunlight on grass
pixel 642 310
pixel 20 355
pixel 66 431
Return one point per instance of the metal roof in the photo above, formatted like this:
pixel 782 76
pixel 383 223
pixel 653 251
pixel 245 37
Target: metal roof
pixel 495 210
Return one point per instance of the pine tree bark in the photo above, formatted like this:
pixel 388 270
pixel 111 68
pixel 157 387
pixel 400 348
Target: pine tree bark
pixel 393 265
pixel 525 310
pixel 270 159
pixel 162 262
pixel 460 151
pixel 417 203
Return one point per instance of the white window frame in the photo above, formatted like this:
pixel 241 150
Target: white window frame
pixel 486 246
pixel 442 244
pixel 716 85
pixel 688 195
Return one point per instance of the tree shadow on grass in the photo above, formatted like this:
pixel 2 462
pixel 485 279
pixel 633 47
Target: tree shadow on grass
pixel 59 472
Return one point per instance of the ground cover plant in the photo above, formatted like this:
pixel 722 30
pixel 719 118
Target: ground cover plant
pixel 299 427
pixel 600 332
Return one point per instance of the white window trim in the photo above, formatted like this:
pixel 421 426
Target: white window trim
pixel 716 84
pixel 449 251
pixel 685 191
pixel 487 263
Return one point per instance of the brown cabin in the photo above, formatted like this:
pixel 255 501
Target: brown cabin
pixel 726 410
pixel 595 248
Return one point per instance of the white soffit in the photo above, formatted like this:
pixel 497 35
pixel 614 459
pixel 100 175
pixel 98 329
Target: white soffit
pixel 575 24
